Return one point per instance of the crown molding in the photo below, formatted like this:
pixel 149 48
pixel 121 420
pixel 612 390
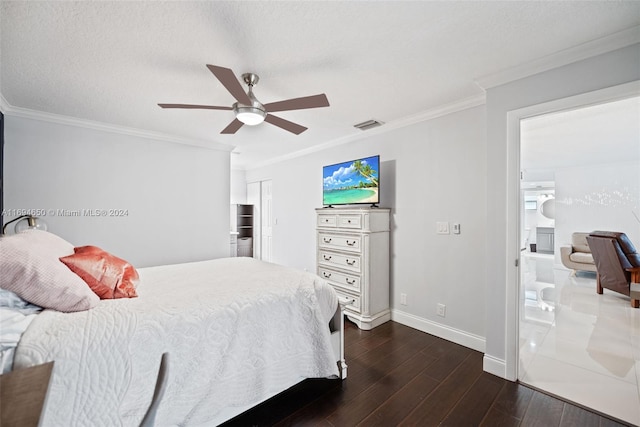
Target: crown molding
pixel 424 116
pixel 4 105
pixel 567 56
pixel 26 113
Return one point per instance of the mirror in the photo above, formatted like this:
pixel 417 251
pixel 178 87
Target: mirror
pixel 548 208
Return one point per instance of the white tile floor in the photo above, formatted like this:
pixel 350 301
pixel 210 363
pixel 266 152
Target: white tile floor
pixel 577 344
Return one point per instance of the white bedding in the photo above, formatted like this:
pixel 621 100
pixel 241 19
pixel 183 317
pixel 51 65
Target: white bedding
pixel 16 315
pixel 237 330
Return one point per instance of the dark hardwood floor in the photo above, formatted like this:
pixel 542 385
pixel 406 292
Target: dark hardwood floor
pixel 399 376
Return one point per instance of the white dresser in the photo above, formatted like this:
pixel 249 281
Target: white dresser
pixel 353 256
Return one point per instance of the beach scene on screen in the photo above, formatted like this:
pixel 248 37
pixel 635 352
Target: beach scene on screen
pixel 351 182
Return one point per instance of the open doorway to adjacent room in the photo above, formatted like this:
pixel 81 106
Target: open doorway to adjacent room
pixel 259 195
pixel 580 172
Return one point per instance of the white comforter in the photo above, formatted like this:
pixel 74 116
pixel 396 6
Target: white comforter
pixel 237 330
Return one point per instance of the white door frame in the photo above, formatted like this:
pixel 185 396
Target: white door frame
pixel 254 198
pixel 266 221
pixel 514 117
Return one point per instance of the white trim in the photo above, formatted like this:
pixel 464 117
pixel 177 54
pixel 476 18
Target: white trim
pixel 4 105
pixel 512 245
pixel 430 114
pixel 494 366
pixel 514 117
pixel 26 113
pixel 448 333
pixel 567 56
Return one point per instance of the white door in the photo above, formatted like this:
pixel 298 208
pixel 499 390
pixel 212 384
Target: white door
pixel 266 220
pixel 253 198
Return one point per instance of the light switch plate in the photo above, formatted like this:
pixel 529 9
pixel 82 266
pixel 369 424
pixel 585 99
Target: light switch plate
pixel 403 299
pixel 456 228
pixel 442 227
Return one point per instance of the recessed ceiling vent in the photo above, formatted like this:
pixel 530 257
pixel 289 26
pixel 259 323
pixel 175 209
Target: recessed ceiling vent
pixel 368 124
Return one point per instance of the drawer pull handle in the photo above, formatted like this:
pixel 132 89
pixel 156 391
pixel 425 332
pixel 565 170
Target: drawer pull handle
pixel 327 275
pixel 351 244
pixel 352 262
pixel 326 240
pixel 326 258
pixel 326 220
pixel 351 282
pixel 349 221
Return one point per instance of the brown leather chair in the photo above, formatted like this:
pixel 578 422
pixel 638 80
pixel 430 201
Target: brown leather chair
pixel 617 262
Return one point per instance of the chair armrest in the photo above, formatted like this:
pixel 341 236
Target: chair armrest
pixel 565 251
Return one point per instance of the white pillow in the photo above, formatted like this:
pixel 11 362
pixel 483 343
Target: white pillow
pixel 31 268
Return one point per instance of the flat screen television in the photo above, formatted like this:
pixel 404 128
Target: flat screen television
pixel 351 183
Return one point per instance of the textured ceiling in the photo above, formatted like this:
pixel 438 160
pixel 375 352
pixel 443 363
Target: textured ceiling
pixel 112 62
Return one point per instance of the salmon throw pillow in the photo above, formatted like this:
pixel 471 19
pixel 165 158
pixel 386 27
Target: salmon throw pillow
pixel 107 275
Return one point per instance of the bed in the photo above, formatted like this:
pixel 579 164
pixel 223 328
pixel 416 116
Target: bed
pixel 238 330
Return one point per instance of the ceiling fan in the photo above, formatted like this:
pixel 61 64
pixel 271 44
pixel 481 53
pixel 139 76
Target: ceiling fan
pixel 248 110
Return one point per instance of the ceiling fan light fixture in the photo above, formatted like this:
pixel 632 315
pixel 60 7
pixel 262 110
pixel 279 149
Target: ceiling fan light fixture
pixel 248 110
pixel 250 115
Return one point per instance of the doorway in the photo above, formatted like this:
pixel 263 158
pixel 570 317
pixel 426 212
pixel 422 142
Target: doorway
pixel 579 172
pixel 259 195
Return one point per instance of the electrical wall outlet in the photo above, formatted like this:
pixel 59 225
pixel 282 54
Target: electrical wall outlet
pixel 403 299
pixel 441 310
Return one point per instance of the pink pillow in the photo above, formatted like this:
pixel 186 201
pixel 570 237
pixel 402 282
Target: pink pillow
pixel 31 267
pixel 108 276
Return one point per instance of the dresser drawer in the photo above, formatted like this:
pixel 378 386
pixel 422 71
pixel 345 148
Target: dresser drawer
pixel 328 220
pixel 343 280
pixel 350 221
pixel 355 306
pixel 340 242
pixel 344 261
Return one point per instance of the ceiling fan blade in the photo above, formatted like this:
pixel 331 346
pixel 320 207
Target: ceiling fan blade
pixel 314 101
pixel 285 124
pixel 201 107
pixel 231 83
pixel 233 127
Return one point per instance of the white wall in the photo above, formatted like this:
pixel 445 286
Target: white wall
pixel 238 187
pixel 598 197
pixel 176 196
pixel 430 171
pixel 599 72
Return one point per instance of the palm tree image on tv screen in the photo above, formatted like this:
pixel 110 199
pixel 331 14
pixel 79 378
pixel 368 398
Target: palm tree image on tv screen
pixel 353 182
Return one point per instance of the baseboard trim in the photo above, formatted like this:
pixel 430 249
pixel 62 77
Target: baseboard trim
pixel 495 366
pixel 448 333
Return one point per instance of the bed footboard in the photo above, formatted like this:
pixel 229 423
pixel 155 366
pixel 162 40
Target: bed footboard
pixel 337 335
